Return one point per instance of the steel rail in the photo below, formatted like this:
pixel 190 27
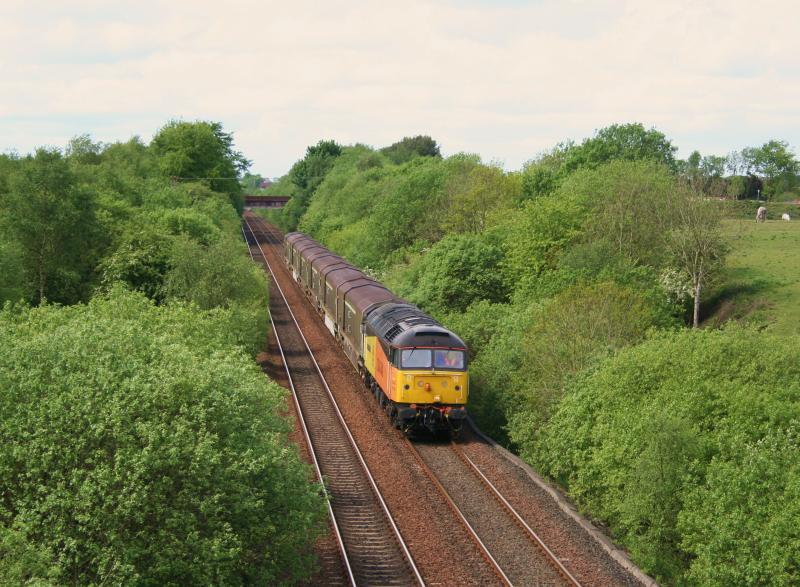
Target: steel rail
pixel 560 568
pixel 471 532
pixel 306 435
pixel 370 478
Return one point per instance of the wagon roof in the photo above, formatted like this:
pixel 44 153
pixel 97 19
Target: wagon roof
pixel 366 293
pixel 324 262
pixel 337 277
pixel 293 237
pixel 315 252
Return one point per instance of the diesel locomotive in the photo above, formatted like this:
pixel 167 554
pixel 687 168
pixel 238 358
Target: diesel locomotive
pixel 415 367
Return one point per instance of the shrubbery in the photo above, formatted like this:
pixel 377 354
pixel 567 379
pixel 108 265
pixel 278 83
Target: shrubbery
pixel 139 443
pixel 687 445
pixel 142 445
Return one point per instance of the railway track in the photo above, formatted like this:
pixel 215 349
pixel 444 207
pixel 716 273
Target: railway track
pixel 515 552
pixel 372 548
pixel 508 545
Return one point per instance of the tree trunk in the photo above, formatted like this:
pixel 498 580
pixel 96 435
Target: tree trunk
pixel 42 274
pixel 696 319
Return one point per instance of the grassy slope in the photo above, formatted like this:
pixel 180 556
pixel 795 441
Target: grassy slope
pixel 762 278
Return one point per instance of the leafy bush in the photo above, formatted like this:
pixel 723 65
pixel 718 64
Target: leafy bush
pixel 190 222
pixel 676 442
pixel 454 273
pixel 138 445
pixel 410 147
pixel 140 260
pixel 598 318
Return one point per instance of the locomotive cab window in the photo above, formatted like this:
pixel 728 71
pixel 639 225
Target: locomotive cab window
pixel 416 359
pixel 448 359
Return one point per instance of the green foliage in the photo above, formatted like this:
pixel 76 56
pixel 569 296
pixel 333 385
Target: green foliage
pixel 617 142
pixel 190 222
pixel 697 246
pixel 756 488
pixel 477 197
pixel 200 151
pixel 346 195
pixel 12 274
pixel 405 213
pixel 138 446
pixel 492 333
pixel 216 275
pixel 600 318
pixel 628 142
pixel 544 174
pixel 305 176
pixel 641 440
pixel 50 221
pixel 140 260
pixel 536 234
pixel 634 205
pixel 410 147
pixel 777 164
pixel 458 270
pixel 81 149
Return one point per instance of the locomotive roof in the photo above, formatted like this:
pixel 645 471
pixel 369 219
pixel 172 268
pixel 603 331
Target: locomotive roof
pixel 403 324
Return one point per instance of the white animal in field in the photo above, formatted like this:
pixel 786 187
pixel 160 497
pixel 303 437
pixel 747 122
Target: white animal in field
pixel 761 214
pixel 785 217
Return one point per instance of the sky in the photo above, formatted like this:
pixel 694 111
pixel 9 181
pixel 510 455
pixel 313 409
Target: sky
pixel 506 79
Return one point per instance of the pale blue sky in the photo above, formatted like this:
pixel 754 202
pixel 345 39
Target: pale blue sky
pixel 503 79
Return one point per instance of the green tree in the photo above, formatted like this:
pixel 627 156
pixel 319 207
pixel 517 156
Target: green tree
pixel 634 204
pixel 139 446
pixel 630 142
pixel 306 175
pixel 486 191
pixel 217 275
pixel 746 514
pixel 410 147
pixel 51 221
pixel 776 163
pixel 736 187
pixel 200 151
pixel 140 260
pixel 697 245
pixel 600 318
pixel 457 271
pixel 544 173
pixel 82 149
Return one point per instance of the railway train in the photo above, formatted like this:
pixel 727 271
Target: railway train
pixel 416 368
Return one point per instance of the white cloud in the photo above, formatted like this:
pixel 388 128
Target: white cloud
pixel 504 80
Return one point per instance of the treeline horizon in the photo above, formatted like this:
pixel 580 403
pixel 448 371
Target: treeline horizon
pixel 771 161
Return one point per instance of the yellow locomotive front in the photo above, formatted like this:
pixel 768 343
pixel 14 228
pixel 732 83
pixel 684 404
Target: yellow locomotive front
pixel 417 368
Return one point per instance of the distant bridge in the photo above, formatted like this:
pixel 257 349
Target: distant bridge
pixel 265 201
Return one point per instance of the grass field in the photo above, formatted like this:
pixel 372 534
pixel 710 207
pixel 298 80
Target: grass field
pixel 761 283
